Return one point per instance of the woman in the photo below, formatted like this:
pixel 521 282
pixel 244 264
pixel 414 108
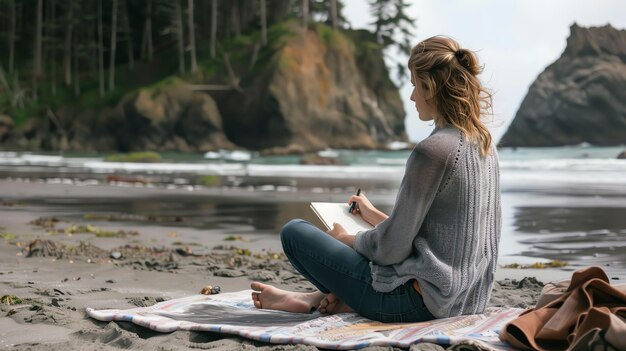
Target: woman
pixel 435 255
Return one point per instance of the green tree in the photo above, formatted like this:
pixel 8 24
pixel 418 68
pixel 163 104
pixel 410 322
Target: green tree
pixel 129 35
pixel 38 69
pixel 213 27
pixel 113 45
pixel 328 12
pixel 100 51
pixel 393 27
pixel 146 39
pixel 192 37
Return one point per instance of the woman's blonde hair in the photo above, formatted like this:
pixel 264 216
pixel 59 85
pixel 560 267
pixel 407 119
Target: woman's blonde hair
pixel 448 74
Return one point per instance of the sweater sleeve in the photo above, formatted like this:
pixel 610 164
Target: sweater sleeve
pixel 391 241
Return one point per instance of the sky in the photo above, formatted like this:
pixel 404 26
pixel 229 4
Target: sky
pixel 514 39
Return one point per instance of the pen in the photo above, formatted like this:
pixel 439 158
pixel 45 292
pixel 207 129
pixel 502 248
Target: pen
pixel 353 204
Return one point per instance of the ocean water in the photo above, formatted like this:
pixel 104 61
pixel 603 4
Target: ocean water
pixel 566 203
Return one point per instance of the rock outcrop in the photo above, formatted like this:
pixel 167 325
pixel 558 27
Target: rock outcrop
pixel 173 118
pixel 166 118
pixel 316 96
pixel 579 98
pixel 315 90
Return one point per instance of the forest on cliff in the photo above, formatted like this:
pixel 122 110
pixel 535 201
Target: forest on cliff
pixel 129 74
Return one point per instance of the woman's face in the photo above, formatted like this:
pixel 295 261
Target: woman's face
pixel 424 109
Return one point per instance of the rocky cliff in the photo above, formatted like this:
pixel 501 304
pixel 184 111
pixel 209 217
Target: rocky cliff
pixel 579 98
pixel 317 89
pixel 321 92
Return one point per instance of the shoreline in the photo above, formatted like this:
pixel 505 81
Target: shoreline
pixel 163 260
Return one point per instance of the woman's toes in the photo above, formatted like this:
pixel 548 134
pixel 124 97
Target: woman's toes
pixel 257 286
pixel 330 298
pixel 324 305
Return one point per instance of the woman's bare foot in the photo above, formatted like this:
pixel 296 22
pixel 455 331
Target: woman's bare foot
pixel 272 298
pixel 331 305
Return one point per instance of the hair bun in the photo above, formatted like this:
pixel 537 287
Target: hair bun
pixel 467 59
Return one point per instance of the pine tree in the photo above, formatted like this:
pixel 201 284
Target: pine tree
pixel 13 17
pixel 38 69
pixel 333 13
pixel 192 38
pixel 129 35
pixel 213 27
pixel 100 51
pixel 390 16
pixel 263 14
pixel 53 47
pixel 146 39
pixel 67 43
pixel 391 20
pixel 178 20
pixel 113 45
pixel 328 12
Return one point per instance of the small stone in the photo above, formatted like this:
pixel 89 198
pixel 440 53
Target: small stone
pixel 110 281
pixel 206 290
pixel 31 282
pixel 116 255
pixel 64 280
pixel 55 303
pixel 214 291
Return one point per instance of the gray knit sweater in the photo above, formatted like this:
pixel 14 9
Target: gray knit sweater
pixel 444 228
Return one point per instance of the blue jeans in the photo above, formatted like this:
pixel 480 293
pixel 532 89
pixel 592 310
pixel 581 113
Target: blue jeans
pixel 335 267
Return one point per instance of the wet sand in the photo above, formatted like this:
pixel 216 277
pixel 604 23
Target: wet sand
pixel 146 245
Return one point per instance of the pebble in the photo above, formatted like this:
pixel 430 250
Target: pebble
pixel 116 255
pixel 110 281
pixel 210 290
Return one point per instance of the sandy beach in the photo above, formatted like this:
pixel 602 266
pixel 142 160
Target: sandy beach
pixel 67 247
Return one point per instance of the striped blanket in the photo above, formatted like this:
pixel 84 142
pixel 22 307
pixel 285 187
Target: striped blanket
pixel 234 313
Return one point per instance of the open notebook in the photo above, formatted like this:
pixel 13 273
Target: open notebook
pixel 332 212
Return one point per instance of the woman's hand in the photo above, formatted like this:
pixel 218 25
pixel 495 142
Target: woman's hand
pixel 366 210
pixel 339 232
